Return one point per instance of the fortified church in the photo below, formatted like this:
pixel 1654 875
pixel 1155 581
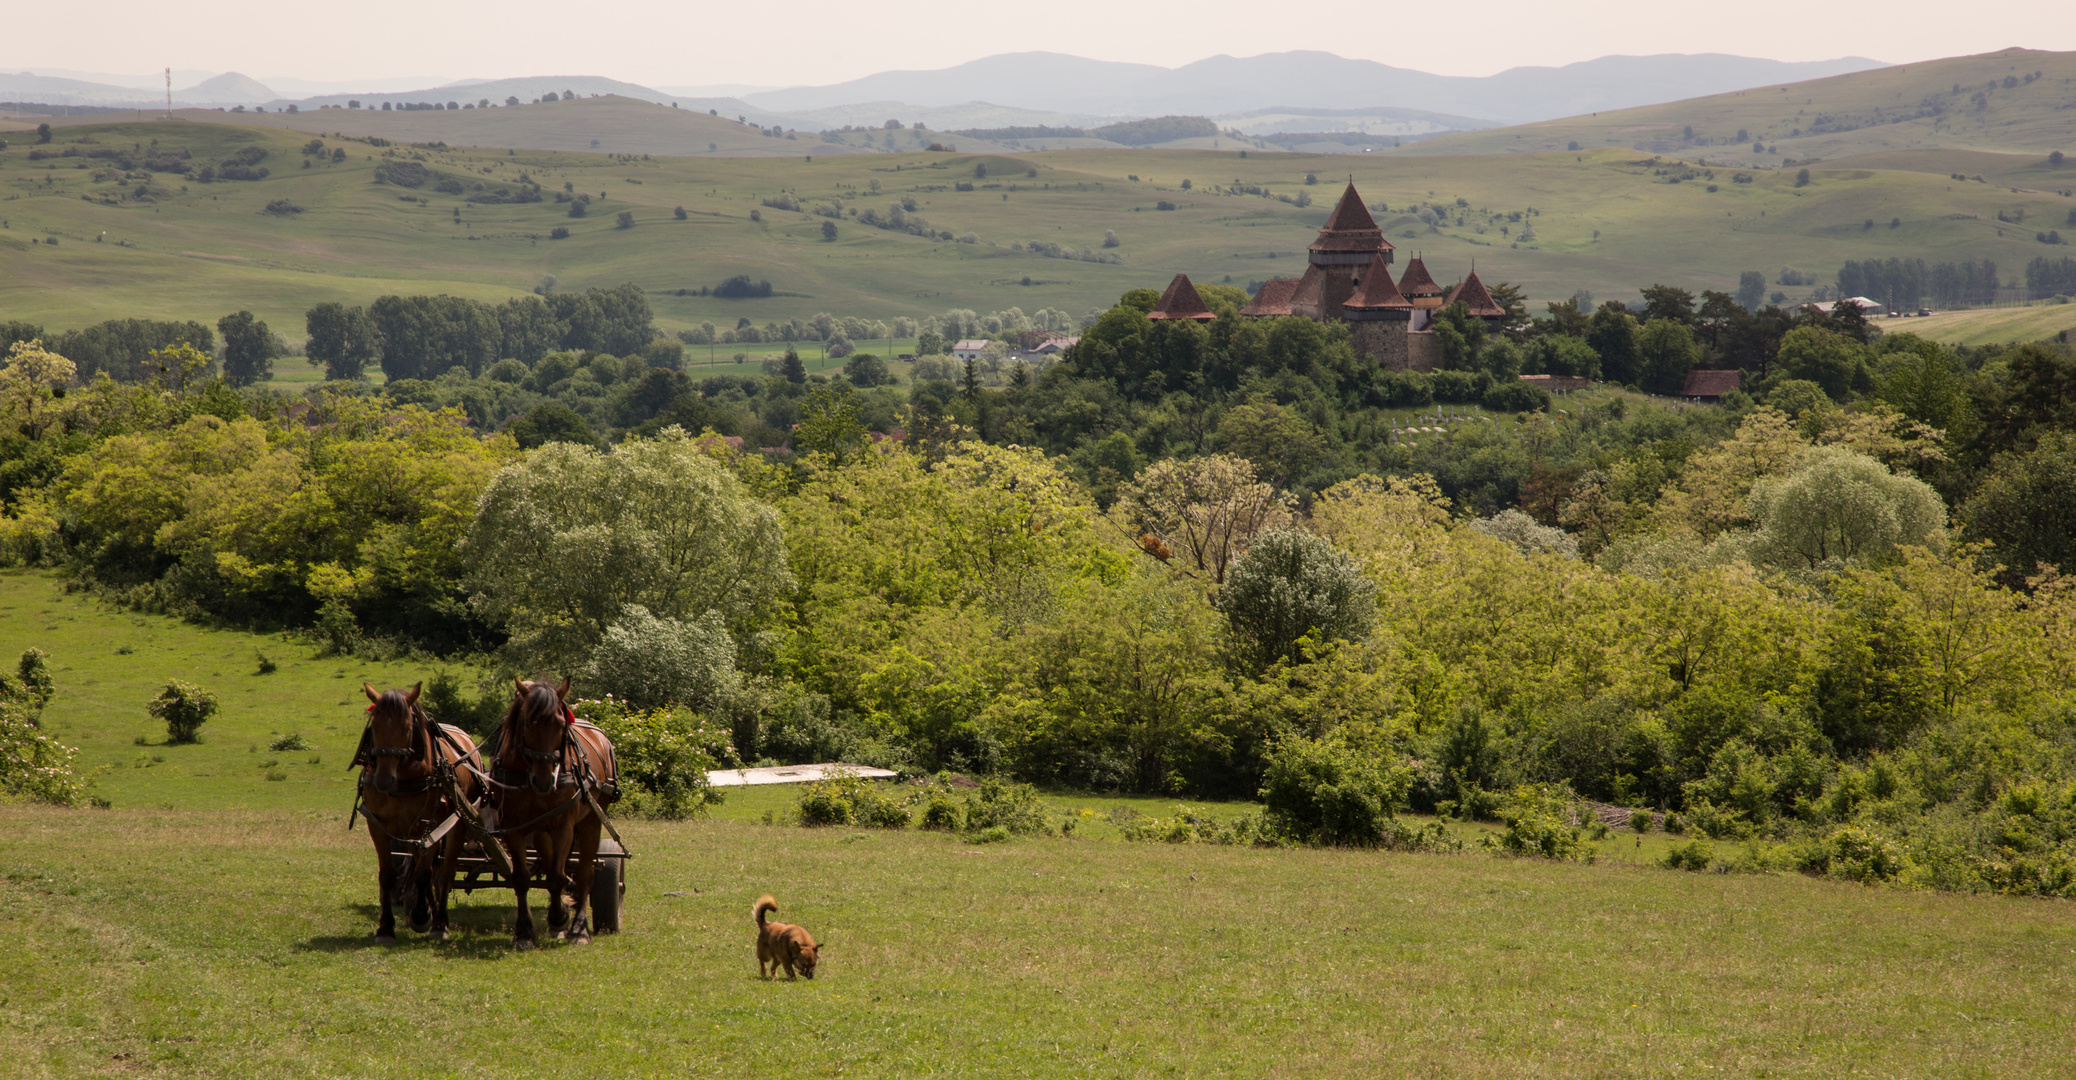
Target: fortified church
pixel 1348 280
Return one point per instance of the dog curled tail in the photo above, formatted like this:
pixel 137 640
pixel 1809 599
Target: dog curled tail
pixel 764 903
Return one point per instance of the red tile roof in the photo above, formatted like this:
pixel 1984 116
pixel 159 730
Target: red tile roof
pixel 1307 292
pixel 1377 290
pixel 1473 295
pixel 1181 302
pixel 1349 214
pixel 1710 383
pixel 1417 281
pixel 1273 297
pixel 1350 227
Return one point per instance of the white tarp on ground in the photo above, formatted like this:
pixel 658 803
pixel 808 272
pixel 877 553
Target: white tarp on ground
pixel 790 774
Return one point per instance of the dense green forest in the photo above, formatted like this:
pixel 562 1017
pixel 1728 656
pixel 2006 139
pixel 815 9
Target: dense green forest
pixel 1215 560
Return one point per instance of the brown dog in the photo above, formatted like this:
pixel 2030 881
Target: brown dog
pixel 781 945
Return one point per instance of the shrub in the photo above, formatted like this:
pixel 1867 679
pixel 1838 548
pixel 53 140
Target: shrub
pixel 267 666
pixel 290 741
pixel 1692 856
pixel 942 812
pixel 31 687
pixel 1194 825
pixel 33 765
pixel 184 707
pixel 651 661
pixel 1535 825
pixel 559 232
pixel 1640 820
pixel 848 799
pixel 1517 397
pixel 1859 854
pixel 993 834
pixel 1002 804
pixel 1334 791
pixel 664 756
pixel 1675 824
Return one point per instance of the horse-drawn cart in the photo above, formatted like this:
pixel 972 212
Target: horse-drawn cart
pixel 476 870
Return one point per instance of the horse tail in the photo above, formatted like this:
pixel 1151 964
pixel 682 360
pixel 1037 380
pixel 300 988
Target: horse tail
pixel 764 903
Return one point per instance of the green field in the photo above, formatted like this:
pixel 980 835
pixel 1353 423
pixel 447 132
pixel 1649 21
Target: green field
pixel 216 923
pixel 1608 221
pixel 2035 322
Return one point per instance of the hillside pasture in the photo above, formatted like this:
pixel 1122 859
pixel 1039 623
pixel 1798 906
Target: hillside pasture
pixel 1609 222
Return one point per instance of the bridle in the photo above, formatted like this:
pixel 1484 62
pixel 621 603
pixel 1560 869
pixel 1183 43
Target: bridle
pixel 515 727
pixel 418 746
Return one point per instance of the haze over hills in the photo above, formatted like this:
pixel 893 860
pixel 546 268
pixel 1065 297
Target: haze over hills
pixel 1038 88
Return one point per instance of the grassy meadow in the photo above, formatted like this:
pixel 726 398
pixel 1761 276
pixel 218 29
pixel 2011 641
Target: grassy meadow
pixel 214 922
pixel 1608 221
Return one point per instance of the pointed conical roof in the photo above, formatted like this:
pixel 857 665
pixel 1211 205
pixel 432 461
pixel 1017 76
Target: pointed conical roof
pixel 1473 295
pixel 1417 281
pixel 1377 290
pixel 1181 302
pixel 1273 299
pixel 1349 214
pixel 1350 227
pixel 1307 292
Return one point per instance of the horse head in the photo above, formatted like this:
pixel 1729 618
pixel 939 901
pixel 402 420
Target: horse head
pixel 396 734
pixel 536 733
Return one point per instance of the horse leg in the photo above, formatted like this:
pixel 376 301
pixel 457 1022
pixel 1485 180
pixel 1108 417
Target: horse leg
pixel 522 929
pixel 420 893
pixel 385 929
pixel 555 849
pixel 586 846
pixel 443 883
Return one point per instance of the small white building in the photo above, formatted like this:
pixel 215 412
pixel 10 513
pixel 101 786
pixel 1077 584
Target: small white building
pixel 969 348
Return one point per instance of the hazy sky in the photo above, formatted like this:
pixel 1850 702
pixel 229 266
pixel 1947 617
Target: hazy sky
pixel 822 41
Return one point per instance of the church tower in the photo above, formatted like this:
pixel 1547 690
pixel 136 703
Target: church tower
pixel 1347 245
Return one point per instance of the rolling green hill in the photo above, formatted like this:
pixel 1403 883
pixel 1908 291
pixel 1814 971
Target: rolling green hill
pixel 607 125
pixel 2016 100
pixel 132 243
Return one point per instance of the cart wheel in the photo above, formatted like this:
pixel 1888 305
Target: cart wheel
pixel 608 887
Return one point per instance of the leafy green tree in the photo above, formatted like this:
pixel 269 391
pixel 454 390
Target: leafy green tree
pixel 43 133
pixel 1827 358
pixel 1751 289
pixel 1668 302
pixel 866 370
pixel 1199 515
pixel 828 230
pixel 625 220
pixel 1282 444
pixel 1841 507
pixel 1926 383
pixel 249 349
pixel 566 542
pixel 551 422
pixel 1612 335
pixel 1288 585
pixel 1668 351
pixel 791 368
pixel 2026 507
pixel 829 424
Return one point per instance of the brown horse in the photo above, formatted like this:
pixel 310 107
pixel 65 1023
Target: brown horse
pixel 402 754
pixel 552 776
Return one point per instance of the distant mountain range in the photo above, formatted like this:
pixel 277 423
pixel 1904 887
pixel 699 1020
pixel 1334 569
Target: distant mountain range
pixel 1034 88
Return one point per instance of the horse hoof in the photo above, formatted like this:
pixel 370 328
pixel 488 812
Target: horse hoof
pixel 523 946
pixel 439 933
pixel 385 939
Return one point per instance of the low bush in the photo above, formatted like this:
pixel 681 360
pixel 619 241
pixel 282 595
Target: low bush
pixel 1536 825
pixel 184 707
pixel 1640 821
pixel 1691 856
pixel 1338 791
pixel 1007 805
pixel 33 765
pixel 290 741
pixel 848 799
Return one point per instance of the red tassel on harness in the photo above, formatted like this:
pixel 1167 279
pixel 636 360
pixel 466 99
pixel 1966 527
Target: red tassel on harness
pixel 569 715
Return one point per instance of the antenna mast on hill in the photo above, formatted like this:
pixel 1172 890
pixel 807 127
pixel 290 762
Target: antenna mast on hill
pixel 169 94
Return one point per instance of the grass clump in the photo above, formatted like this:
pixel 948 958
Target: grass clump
pixel 290 741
